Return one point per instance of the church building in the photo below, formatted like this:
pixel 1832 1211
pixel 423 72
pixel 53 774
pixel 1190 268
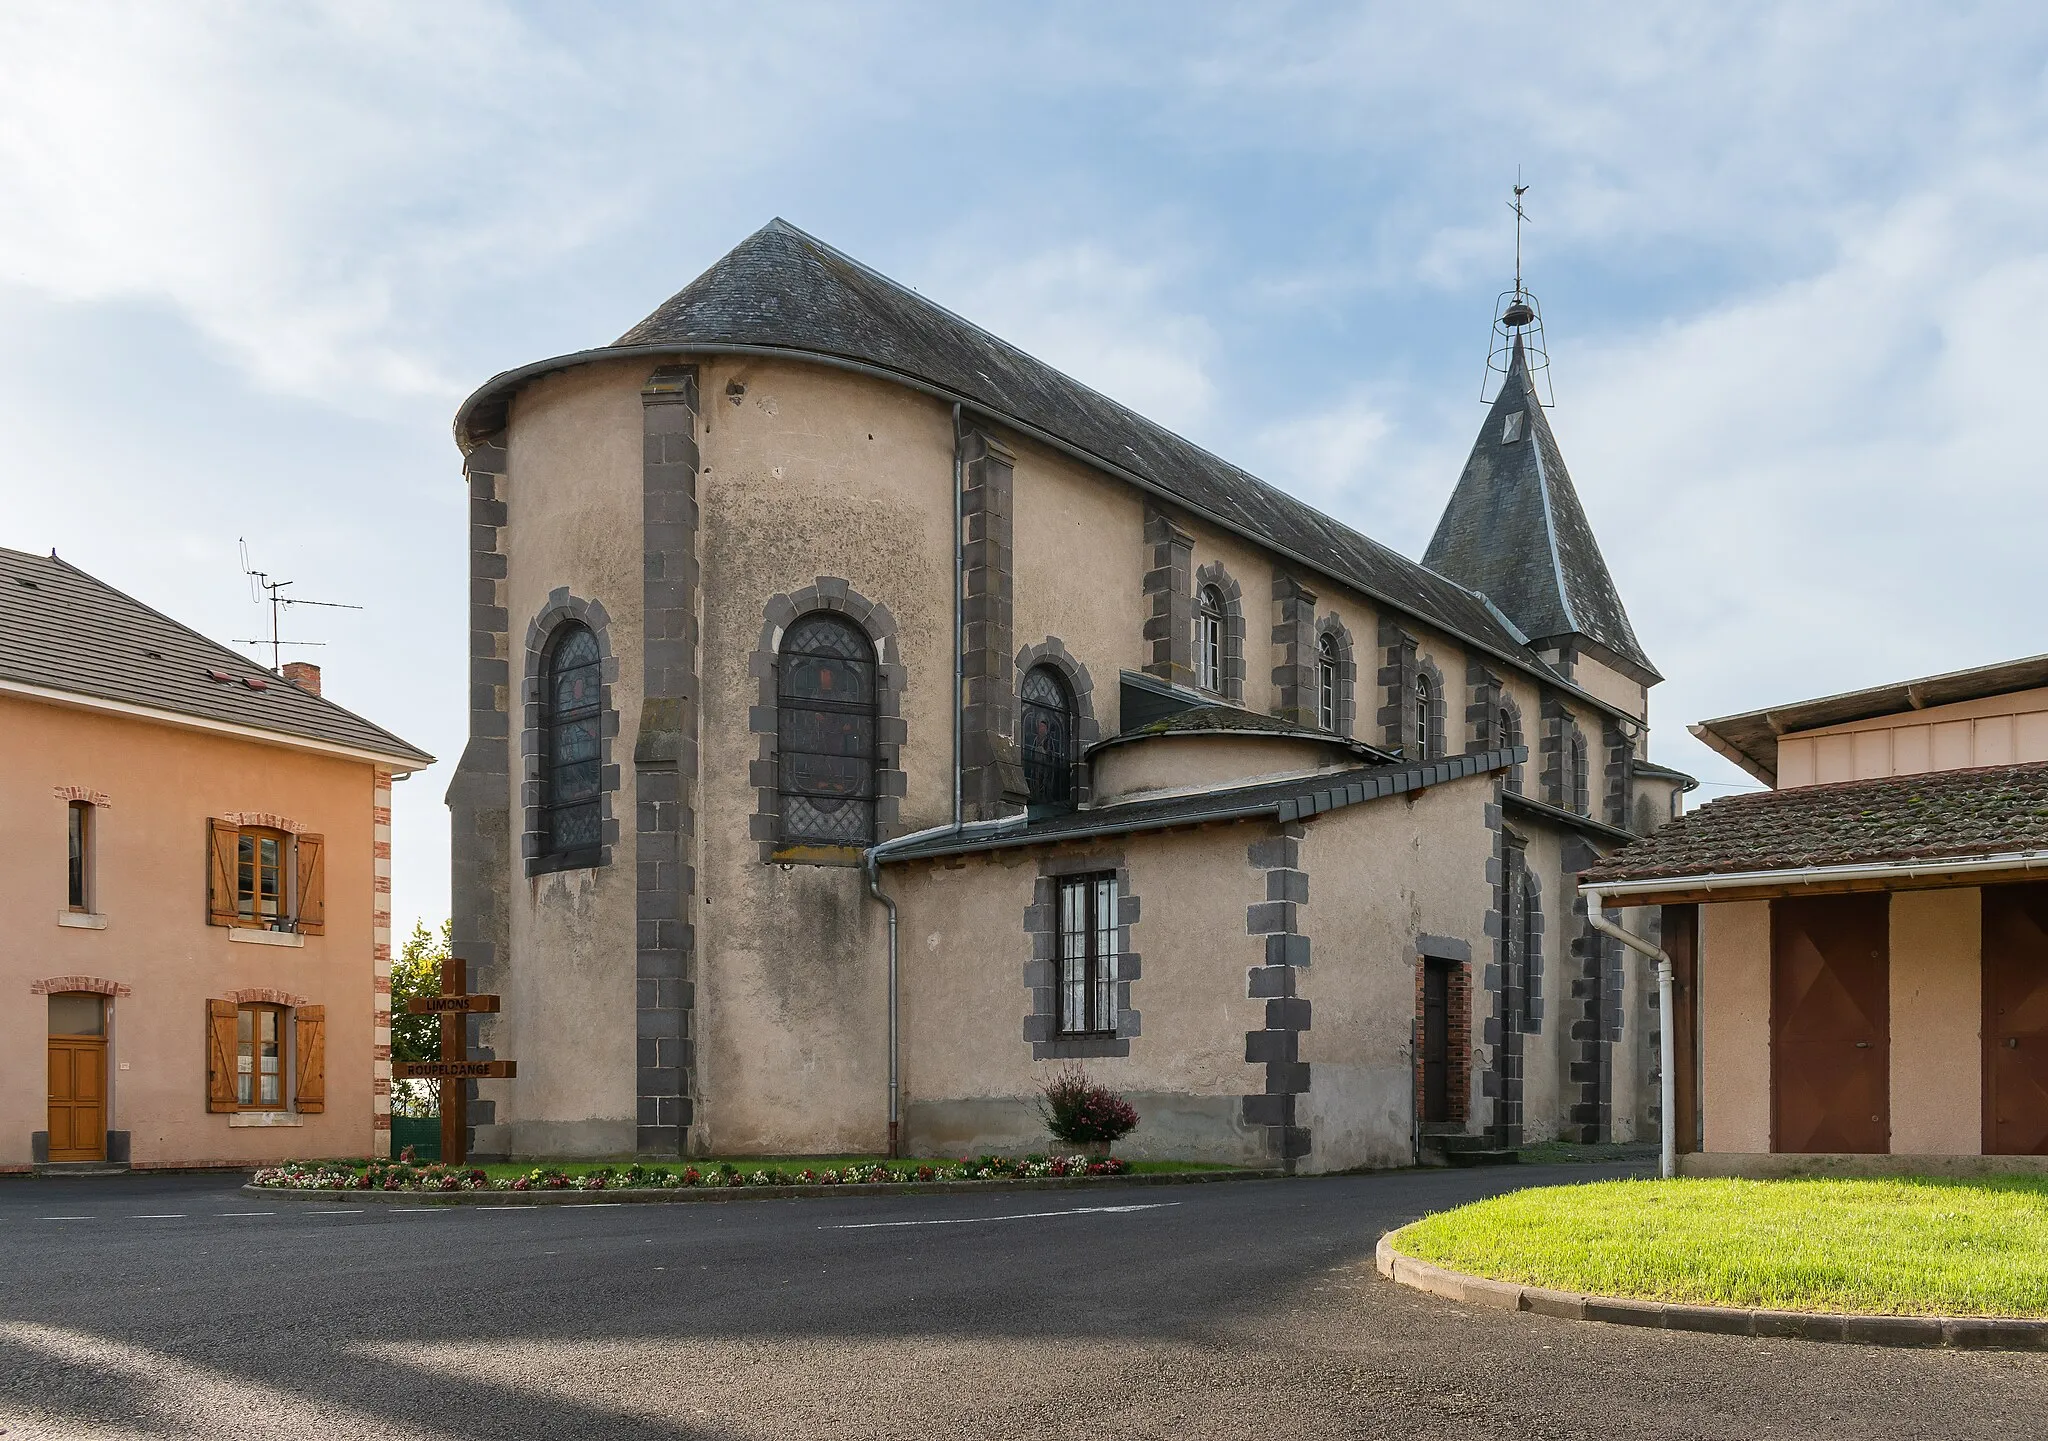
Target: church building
pixel 867 719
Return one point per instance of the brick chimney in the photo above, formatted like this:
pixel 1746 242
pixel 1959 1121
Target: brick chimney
pixel 303 674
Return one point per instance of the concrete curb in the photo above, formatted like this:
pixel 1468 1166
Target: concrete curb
pixel 634 1196
pixel 1970 1333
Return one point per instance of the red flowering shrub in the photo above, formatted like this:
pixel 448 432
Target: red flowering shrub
pixel 1081 1112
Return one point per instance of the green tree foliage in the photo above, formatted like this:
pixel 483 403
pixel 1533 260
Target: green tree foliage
pixel 417 972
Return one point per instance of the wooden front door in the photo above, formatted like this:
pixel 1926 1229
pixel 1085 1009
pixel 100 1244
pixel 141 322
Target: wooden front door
pixel 1436 1041
pixel 1831 1024
pixel 2016 1020
pixel 78 1098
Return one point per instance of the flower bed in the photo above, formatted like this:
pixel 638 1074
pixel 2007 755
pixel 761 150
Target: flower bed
pixel 402 1175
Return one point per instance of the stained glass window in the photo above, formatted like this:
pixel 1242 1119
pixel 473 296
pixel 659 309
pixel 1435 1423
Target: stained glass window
pixel 1209 640
pixel 1088 955
pixel 1326 681
pixel 572 771
pixel 825 724
pixel 1047 734
pixel 1575 773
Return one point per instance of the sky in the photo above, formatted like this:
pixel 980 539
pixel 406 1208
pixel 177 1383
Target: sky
pixel 1793 263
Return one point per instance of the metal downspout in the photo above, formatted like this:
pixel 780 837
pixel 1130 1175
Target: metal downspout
pixel 1667 1074
pixel 874 870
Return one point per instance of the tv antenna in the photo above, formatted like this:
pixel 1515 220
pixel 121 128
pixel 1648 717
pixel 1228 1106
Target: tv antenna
pixel 1518 325
pixel 272 592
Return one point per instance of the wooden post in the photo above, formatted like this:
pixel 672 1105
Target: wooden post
pixel 454 1047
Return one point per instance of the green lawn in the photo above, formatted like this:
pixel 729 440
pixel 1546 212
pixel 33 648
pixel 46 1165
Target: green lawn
pixel 1912 1246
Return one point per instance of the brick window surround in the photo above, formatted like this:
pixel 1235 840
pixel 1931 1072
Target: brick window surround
pixel 1456 956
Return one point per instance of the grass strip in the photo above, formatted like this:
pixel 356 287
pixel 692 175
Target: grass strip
pixel 1895 1246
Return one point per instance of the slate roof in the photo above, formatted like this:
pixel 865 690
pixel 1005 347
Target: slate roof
pixel 1751 740
pixel 64 630
pixel 1940 815
pixel 1514 530
pixel 1296 799
pixel 781 289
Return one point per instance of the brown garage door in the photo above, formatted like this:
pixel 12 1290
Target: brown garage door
pixel 1830 1024
pixel 2016 1020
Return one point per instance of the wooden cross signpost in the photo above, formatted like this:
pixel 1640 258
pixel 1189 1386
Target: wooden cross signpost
pixel 454 1006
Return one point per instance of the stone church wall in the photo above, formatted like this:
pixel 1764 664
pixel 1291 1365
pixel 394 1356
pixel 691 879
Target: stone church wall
pixel 573 502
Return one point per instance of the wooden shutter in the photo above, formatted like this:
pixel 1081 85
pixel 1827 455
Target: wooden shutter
pixel 221 840
pixel 220 1056
pixel 312 915
pixel 311 1024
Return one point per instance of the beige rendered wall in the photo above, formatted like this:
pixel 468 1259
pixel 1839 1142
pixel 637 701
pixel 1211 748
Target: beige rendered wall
pixel 969 1078
pixel 1603 682
pixel 1078 541
pixel 1937 1000
pixel 161 786
pixel 1735 1025
pixel 1381 876
pixel 813 472
pixel 573 505
pixel 1997 730
pixel 1196 762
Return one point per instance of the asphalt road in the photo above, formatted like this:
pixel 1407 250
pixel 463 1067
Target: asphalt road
pixel 177 1306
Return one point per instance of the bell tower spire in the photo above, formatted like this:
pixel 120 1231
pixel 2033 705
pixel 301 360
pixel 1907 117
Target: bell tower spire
pixel 1518 326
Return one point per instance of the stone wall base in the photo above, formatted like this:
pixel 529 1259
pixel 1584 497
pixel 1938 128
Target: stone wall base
pixel 1764 1165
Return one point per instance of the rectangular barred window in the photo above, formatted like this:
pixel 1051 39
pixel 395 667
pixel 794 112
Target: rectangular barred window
pixel 1088 955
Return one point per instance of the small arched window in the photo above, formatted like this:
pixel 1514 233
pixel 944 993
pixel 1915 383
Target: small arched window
pixel 1326 681
pixel 825 732
pixel 1575 772
pixel 571 778
pixel 1047 734
pixel 1425 712
pixel 1209 640
pixel 1510 734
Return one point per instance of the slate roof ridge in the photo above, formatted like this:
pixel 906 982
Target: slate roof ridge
pixel 741 312
pixel 378 738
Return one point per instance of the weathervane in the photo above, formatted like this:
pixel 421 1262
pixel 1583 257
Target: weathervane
pixel 1518 325
pixel 273 592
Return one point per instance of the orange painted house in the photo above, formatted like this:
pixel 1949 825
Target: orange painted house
pixel 195 876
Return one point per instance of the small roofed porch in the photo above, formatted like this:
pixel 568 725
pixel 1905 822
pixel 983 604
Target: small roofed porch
pixel 1860 974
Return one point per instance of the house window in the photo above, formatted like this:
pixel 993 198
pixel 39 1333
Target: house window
pixel 259 1058
pixel 825 733
pixel 1209 640
pixel 79 878
pixel 265 878
pixel 1088 955
pixel 1326 681
pixel 1048 736
pixel 572 772
pixel 1425 712
pixel 259 878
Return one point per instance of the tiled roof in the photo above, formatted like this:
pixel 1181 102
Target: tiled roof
pixel 784 290
pixel 1939 815
pixel 64 630
pixel 1514 530
pixel 1294 799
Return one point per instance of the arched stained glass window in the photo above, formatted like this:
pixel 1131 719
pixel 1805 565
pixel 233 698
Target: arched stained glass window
pixel 825 732
pixel 1047 736
pixel 1209 640
pixel 1575 772
pixel 1425 712
pixel 571 779
pixel 1326 681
